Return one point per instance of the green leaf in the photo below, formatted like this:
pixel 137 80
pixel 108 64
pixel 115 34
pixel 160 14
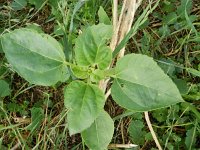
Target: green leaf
pixel 141 85
pixel 185 7
pixel 192 108
pixel 91 49
pixel 190 138
pixel 193 72
pixel 37 57
pixel 168 66
pixel 85 102
pixel 4 88
pixel 37 115
pixel 136 132
pixel 14 107
pixel 100 133
pixel 34 26
pixel 54 3
pixel 1 49
pixel 187 4
pixel 3 70
pixel 195 38
pixel 160 114
pixel 18 4
pixel 146 42
pixel 171 18
pixel 97 75
pixel 80 72
pixel 181 85
pixel 78 5
pixel 164 31
pixel 37 3
pixel 168 6
pixel 103 17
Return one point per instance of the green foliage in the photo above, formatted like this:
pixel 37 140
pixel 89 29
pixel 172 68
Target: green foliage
pixel 160 115
pixel 35 27
pixel 100 133
pixel 1 49
pixel 167 66
pixel 136 132
pixel 80 72
pixel 141 85
pixel 171 18
pixel 85 102
pixel 4 89
pixel 193 72
pixel 37 57
pixel 191 137
pixel 18 4
pixel 78 5
pixel 168 6
pixel 54 3
pixel 182 86
pixel 185 7
pixel 90 48
pixel 16 108
pixel 103 17
pixel 36 3
pixel 137 82
pixel 37 116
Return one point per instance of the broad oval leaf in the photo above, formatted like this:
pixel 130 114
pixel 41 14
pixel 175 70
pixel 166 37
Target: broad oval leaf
pixel 4 88
pixel 85 102
pixel 141 85
pixel 37 57
pixel 91 49
pixel 100 133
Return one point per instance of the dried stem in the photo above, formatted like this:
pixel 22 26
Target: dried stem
pixel 114 146
pixel 16 146
pixel 121 27
pixel 115 17
pixel 108 93
pixel 125 21
pixel 151 130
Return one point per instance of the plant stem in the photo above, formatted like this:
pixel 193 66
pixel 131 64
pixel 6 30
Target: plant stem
pixel 113 146
pixel 69 64
pixel 121 28
pixel 115 17
pixel 151 130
